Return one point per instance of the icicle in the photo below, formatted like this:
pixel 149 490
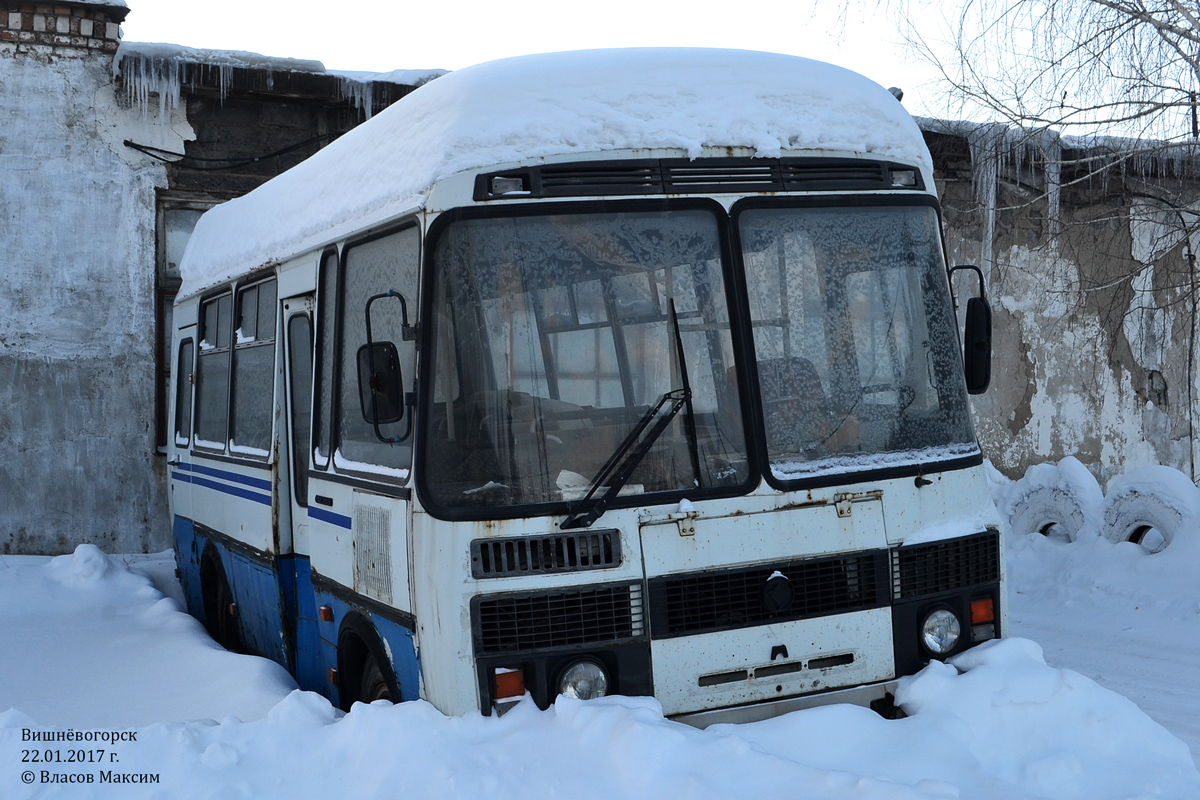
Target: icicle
pixel 160 69
pixel 225 77
pixel 361 92
pixel 985 143
pixel 147 75
pixel 1047 147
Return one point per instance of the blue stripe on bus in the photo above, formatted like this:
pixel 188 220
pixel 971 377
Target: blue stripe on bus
pixel 330 517
pixel 246 480
pixel 236 491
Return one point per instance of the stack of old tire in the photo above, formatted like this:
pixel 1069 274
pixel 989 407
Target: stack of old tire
pixel 1148 505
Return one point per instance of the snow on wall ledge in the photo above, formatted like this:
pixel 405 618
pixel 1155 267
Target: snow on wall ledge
pixel 550 105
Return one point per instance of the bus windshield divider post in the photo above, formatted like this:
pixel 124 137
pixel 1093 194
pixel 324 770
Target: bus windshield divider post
pixel 407 333
pixel 689 418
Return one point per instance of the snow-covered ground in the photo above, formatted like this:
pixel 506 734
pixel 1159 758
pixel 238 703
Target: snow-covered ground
pixel 1128 620
pixel 87 642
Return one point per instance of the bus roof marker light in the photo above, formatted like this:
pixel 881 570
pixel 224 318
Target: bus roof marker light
pixel 502 185
pixel 903 177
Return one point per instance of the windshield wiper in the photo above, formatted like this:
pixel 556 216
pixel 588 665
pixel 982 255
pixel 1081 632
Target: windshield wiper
pixel 624 460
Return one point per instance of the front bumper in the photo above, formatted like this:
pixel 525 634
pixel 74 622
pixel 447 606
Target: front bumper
pixel 856 695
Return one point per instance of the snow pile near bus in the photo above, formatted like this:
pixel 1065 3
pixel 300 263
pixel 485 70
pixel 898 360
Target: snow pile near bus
pixel 84 642
pixel 998 725
pixel 1128 617
pixel 548 105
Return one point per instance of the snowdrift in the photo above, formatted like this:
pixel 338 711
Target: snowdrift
pixel 94 644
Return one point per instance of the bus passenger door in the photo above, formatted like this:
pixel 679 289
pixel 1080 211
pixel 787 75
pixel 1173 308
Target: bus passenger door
pixel 298 349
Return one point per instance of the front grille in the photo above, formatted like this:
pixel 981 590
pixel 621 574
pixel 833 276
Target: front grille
pixel 714 601
pixel 945 566
pixel 550 553
pixel 699 176
pixel 522 623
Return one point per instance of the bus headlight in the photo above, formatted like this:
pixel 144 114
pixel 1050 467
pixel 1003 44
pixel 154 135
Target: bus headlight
pixel 583 680
pixel 940 631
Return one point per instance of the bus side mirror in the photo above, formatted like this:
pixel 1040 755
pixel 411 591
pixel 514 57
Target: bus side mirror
pixel 380 383
pixel 977 345
pixel 977 337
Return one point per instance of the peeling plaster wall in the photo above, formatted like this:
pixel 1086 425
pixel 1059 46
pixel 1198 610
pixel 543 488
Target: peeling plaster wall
pixel 1092 328
pixel 77 219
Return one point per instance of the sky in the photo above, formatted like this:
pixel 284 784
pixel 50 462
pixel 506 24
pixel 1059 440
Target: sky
pixel 384 36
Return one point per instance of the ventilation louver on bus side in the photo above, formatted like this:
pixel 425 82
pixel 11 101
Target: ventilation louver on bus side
pixel 521 623
pixel 550 553
pixel 702 176
pixel 927 569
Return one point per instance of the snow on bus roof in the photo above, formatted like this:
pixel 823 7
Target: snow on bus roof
pixel 546 105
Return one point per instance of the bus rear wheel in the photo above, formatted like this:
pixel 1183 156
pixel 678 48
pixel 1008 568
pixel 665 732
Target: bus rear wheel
pixel 219 616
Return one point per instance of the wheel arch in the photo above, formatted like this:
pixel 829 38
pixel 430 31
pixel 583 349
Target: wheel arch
pixel 357 639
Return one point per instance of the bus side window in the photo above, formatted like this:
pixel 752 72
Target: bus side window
pixel 300 358
pixel 212 372
pixel 322 419
pixel 253 373
pixel 183 394
pixel 372 267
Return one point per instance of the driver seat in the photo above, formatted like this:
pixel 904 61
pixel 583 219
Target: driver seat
pixel 797 413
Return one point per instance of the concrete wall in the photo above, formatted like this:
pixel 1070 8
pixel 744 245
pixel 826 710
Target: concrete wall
pixel 1093 314
pixel 78 218
pixel 77 223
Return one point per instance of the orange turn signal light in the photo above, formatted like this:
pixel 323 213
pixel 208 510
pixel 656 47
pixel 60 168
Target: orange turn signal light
pixel 982 611
pixel 508 683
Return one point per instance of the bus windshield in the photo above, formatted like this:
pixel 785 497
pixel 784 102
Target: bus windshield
pixel 854 337
pixel 552 339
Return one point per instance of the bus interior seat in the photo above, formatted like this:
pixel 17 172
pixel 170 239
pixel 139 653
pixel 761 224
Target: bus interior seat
pixel 798 416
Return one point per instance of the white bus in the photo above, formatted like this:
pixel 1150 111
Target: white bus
pixel 614 372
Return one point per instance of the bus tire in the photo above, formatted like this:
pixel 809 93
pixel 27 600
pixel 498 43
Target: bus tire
pixel 219 619
pixel 1063 497
pixel 1146 499
pixel 373 685
pixel 364 672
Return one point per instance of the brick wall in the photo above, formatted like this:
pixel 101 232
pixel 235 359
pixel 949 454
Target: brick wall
pixel 78 27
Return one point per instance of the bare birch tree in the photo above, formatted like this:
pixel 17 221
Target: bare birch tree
pixel 1124 67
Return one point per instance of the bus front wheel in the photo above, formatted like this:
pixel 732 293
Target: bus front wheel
pixel 373 685
pixel 364 672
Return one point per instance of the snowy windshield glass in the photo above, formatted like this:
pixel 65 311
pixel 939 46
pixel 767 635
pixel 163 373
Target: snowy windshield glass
pixel 552 338
pixel 854 335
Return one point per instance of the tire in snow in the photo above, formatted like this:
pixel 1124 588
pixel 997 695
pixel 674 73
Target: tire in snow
pixel 1146 499
pixel 1060 498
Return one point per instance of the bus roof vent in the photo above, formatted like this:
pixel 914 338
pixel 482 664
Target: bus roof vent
pixel 539 555
pixel 612 177
pixel 699 176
